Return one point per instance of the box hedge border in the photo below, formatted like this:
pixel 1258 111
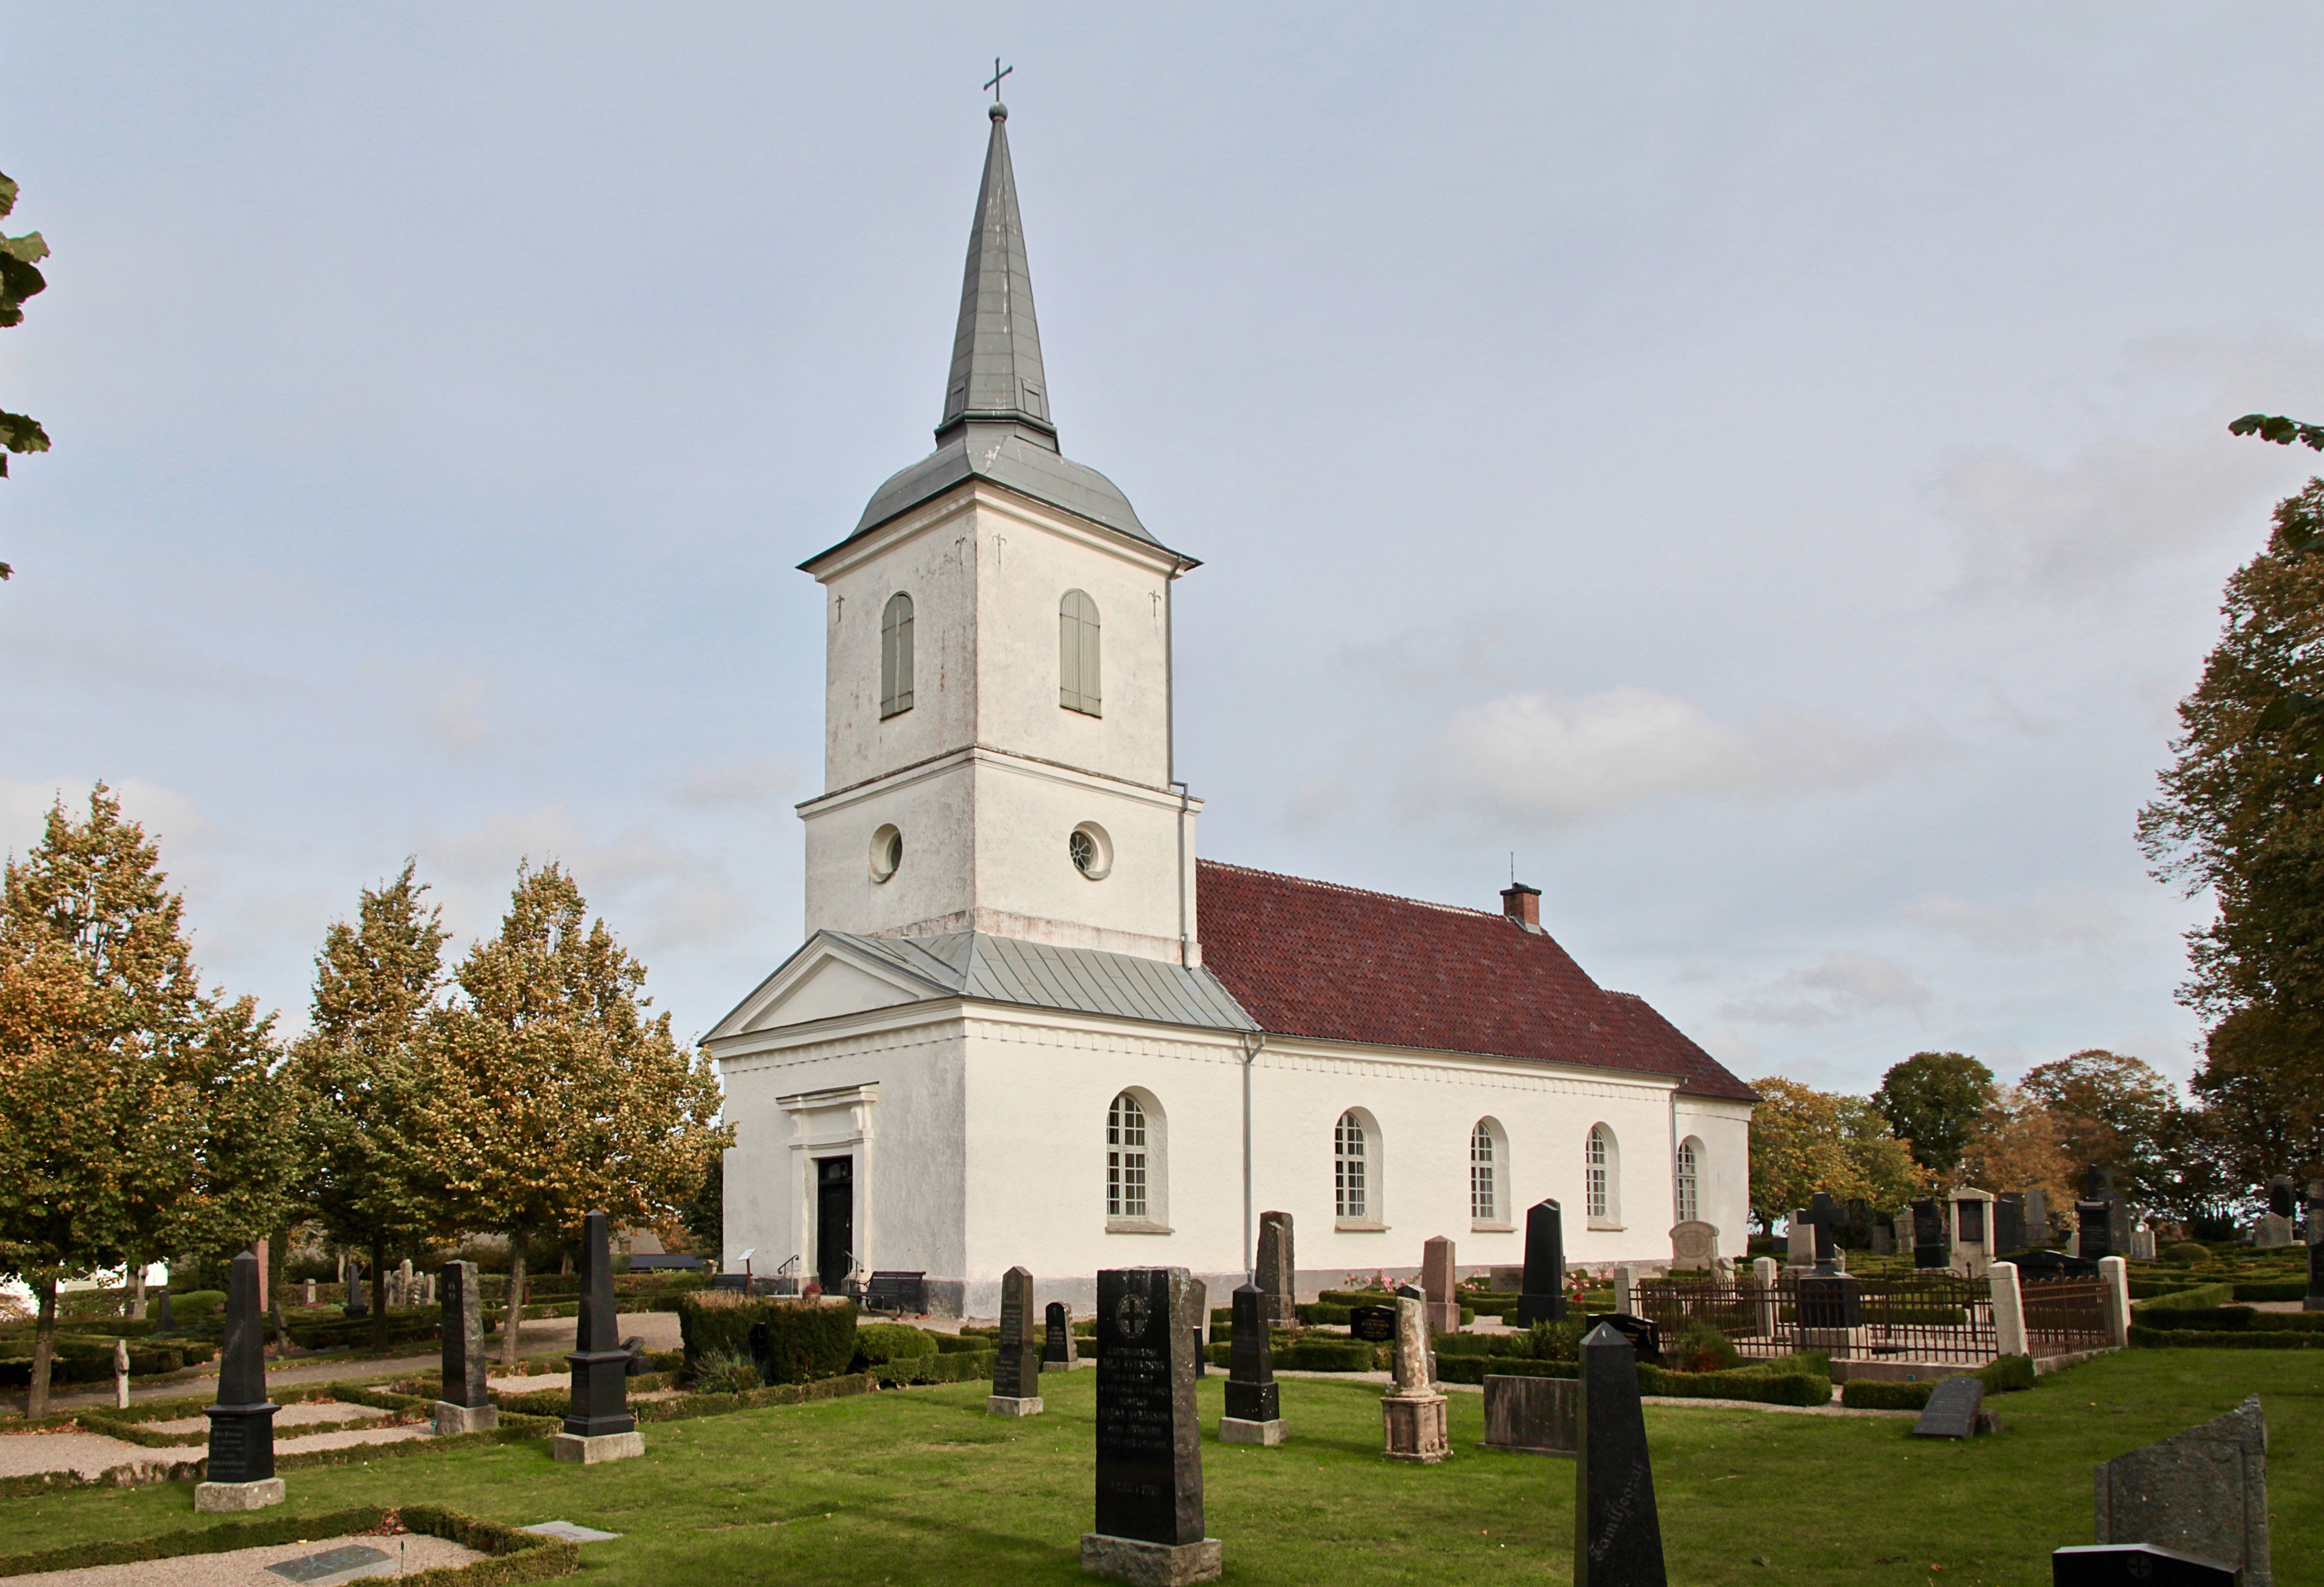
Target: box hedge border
pixel 2144 1338
pixel 513 1556
pixel 2009 1375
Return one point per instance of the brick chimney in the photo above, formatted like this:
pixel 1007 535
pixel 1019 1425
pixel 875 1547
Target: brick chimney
pixel 1522 904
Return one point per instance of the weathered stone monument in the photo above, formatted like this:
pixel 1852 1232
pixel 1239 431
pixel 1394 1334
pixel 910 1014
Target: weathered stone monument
pixel 467 1404
pixel 2142 1242
pixel 1618 1536
pixel 1534 1416
pixel 1831 1301
pixel 240 1473
pixel 1956 1408
pixel 2037 1218
pixel 1929 1250
pixel 1694 1246
pixel 1799 1243
pixel 1149 1443
pixel 2008 1222
pixel 1277 1276
pixel 1542 1298
pixel 1016 1369
pixel 2279 1225
pixel 120 1374
pixel 1972 1231
pixel 2202 1492
pixel 598 1425
pixel 307 1299
pixel 350 1272
pixel 1254 1408
pixel 1412 1411
pixel 1059 1354
pixel 1437 1284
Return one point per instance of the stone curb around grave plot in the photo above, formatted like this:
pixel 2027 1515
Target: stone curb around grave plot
pixel 1730 1404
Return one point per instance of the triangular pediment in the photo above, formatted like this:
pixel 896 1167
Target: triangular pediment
pixel 828 977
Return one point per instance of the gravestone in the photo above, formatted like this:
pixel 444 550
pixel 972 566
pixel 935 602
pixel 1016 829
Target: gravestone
pixel 1618 1539
pixel 2202 1492
pixel 2134 1564
pixel 162 1324
pixel 120 1374
pixel 1374 1324
pixel 1202 1304
pixel 467 1404
pixel 1412 1411
pixel 2279 1226
pixel 2142 1242
pixel 1642 1334
pixel 1694 1245
pixel 2037 1217
pixel 1901 1228
pixel 2314 1301
pixel 407 1287
pixel 2283 1197
pixel 1505 1280
pixel 1277 1277
pixel 1149 1448
pixel 356 1305
pixel 240 1475
pixel 1884 1239
pixel 1254 1409
pixel 1929 1235
pixel 2009 1223
pixel 1016 1369
pixel 1542 1298
pixel 2053 1264
pixel 1799 1243
pixel 1972 1231
pixel 309 1298
pixel 1955 1407
pixel 1532 1414
pixel 598 1425
pixel 2093 1239
pixel 1437 1284
pixel 1059 1354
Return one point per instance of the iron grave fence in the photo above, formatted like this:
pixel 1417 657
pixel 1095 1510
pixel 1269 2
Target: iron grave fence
pixel 2064 1315
pixel 1940 1316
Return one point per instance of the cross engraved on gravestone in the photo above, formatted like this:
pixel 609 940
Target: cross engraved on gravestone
pixel 1953 1408
pixel 331 1562
pixel 2134 1564
pixel 2202 1492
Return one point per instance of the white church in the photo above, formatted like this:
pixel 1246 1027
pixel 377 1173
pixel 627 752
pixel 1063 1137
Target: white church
pixel 1030 1026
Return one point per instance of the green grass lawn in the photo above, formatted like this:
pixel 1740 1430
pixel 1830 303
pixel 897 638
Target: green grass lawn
pixel 920 1486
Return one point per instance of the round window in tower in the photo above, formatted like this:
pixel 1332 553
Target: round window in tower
pixel 887 852
pixel 1090 851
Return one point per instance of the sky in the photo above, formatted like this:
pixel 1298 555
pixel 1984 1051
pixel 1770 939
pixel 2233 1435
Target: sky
pixel 1762 471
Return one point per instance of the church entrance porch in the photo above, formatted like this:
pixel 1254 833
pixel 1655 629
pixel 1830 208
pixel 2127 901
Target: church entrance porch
pixel 835 1222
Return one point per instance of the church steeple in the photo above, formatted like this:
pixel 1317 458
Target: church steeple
pixel 996 353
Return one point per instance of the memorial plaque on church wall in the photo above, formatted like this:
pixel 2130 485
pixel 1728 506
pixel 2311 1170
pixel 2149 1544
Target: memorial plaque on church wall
pixel 1952 1409
pixel 1149 1452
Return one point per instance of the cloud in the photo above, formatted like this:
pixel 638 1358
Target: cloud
pixel 1832 989
pixel 1547 758
pixel 728 781
pixel 2055 917
pixel 2079 527
pixel 454 719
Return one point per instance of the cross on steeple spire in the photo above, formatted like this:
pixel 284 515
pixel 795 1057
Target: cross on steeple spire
pixel 999 71
pixel 996 352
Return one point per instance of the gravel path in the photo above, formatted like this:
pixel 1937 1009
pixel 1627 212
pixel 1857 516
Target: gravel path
pixel 246 1567
pixel 88 1454
pixel 290 1416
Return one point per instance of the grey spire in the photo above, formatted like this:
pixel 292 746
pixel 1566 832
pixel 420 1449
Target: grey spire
pixel 996 354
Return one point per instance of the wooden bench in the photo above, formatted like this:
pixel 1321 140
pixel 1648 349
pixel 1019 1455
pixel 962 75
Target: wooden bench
pixel 901 1293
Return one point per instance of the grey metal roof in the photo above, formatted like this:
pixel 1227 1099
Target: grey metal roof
pixel 1086 980
pixel 997 423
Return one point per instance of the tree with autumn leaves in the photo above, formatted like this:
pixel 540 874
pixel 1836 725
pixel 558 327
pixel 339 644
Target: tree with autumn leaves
pixel 139 1115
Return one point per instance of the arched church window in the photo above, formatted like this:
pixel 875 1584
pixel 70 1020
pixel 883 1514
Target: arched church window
pixel 1486 1171
pixel 1599 1166
pixel 1125 1159
pixel 896 656
pixel 1689 1201
pixel 1350 1187
pixel 1078 669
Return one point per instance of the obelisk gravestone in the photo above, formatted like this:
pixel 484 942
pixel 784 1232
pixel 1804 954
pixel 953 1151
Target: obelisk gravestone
pixel 240 1474
pixel 599 1426
pixel 1412 1412
pixel 1016 1369
pixel 1617 1538
pixel 1277 1277
pixel 467 1406
pixel 1543 1298
pixel 1150 1443
pixel 1254 1410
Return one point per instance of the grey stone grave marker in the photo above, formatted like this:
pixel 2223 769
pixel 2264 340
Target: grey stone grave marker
pixel 240 1475
pixel 1542 1298
pixel 1150 1443
pixel 2009 1223
pixel 333 1564
pixel 570 1532
pixel 1437 1285
pixel 1617 1538
pixel 598 1426
pixel 1059 1354
pixel 1800 1240
pixel 351 1274
pixel 2202 1492
pixel 1956 1406
pixel 1412 1411
pixel 1016 1369
pixel 1929 1234
pixel 1534 1416
pixel 467 1404
pixel 1202 1303
pixel 1277 1277
pixel 1254 1408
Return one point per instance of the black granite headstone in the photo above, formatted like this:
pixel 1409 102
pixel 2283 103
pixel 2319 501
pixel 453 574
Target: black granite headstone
pixel 1642 1334
pixel 1825 1216
pixel 1830 1301
pixel 1543 1298
pixel 163 1324
pixel 2008 1222
pixel 242 1422
pixel 1618 1539
pixel 1952 1409
pixel 601 1367
pixel 2282 1198
pixel 1929 1234
pixel 1057 1334
pixel 1251 1393
pixel 2135 1564
pixel 1016 1369
pixel 463 1337
pixel 1149 1450
pixel 2094 1223
pixel 1375 1323
pixel 2053 1264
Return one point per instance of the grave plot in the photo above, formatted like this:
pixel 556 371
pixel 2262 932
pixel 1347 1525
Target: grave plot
pixel 321 1562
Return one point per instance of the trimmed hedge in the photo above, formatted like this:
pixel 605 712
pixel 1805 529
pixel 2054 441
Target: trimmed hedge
pixel 1757 1384
pixel 1327 1355
pixel 513 1555
pixel 876 1342
pixel 806 1339
pixel 2007 1375
pixel 687 1407
pixel 1476 1368
pixel 2220 1319
pixel 959 1366
pixel 2201 1297
pixel 2272 1290
pixel 2144 1338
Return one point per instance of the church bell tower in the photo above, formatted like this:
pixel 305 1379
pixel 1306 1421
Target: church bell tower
pixel 997 706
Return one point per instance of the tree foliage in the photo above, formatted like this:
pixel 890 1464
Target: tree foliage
pixel 2108 1110
pixel 1804 1140
pixel 1935 1101
pixel 20 278
pixel 137 1115
pixel 551 1091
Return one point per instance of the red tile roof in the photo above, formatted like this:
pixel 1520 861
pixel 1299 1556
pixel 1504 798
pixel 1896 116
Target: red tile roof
pixel 1311 958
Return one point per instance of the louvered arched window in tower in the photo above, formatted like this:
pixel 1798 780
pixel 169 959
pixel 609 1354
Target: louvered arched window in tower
pixel 1078 669
pixel 896 656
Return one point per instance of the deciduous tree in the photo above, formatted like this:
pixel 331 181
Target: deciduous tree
pixel 2107 1108
pixel 20 278
pixel 1804 1140
pixel 1934 1101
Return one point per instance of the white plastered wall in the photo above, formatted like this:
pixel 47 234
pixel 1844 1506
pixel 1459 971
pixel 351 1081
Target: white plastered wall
pixel 1723 1173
